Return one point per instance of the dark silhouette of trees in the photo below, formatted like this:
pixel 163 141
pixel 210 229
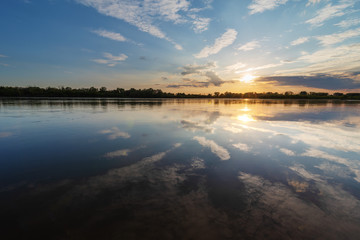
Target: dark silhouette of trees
pixel 103 92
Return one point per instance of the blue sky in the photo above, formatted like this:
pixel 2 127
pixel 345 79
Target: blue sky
pixel 197 46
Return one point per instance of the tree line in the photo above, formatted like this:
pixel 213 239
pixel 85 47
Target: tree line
pixel 103 92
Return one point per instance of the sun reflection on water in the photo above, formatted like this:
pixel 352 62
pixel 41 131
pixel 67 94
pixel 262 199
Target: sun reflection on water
pixel 246 118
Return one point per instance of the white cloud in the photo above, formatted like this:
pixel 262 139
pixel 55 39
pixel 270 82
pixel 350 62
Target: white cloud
pixel 144 14
pixel 115 133
pixel 299 41
pixel 271 65
pixel 236 66
pixel 110 59
pixel 329 60
pixel 329 12
pixel 312 2
pixel 225 40
pixel 221 152
pixel 200 24
pixel 243 147
pixel 353 166
pixel 348 23
pixel 287 152
pixel 338 37
pixel 249 46
pixel 2 56
pixel 259 6
pixel 111 35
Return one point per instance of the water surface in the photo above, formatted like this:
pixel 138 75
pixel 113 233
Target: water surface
pixel 179 169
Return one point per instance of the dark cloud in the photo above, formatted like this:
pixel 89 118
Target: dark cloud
pixel 213 80
pixel 192 69
pixel 319 81
pixel 142 58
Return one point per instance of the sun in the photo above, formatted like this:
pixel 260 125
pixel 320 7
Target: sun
pixel 248 78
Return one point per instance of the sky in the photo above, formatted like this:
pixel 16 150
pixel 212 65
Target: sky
pixel 191 46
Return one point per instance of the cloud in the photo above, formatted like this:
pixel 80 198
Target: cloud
pixel 212 79
pixel 287 152
pixel 329 12
pixel 5 134
pixel 111 35
pixel 330 39
pixel 115 133
pixel 194 126
pixel 200 24
pixel 243 147
pixel 271 65
pixel 339 60
pixel 221 152
pixel 110 59
pixel 2 56
pixel 318 81
pixel 236 66
pixel 249 46
pixel 348 23
pixel 118 153
pixel 225 40
pixel 196 69
pixel 315 153
pixel 144 14
pixel 4 64
pixel 259 6
pixel 299 41
pixel 313 2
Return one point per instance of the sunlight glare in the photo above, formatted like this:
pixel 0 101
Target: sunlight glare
pixel 245 118
pixel 248 78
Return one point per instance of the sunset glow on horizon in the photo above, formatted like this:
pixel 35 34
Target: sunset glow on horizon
pixel 191 46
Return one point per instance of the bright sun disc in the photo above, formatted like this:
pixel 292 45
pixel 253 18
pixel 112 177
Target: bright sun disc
pixel 248 78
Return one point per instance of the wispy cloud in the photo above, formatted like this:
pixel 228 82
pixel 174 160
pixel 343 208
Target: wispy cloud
pixel 2 56
pixel 299 41
pixel 5 134
pixel 118 153
pixel 259 6
pixel 330 60
pixel 330 11
pixel 225 40
pixel 348 23
pixel 236 66
pixel 4 64
pixel 144 14
pixel 266 66
pixel 249 46
pixel 115 133
pixel 219 151
pixel 110 59
pixel 330 39
pixel 312 2
pixel 111 35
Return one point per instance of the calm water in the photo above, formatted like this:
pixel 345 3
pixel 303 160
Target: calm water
pixel 179 169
